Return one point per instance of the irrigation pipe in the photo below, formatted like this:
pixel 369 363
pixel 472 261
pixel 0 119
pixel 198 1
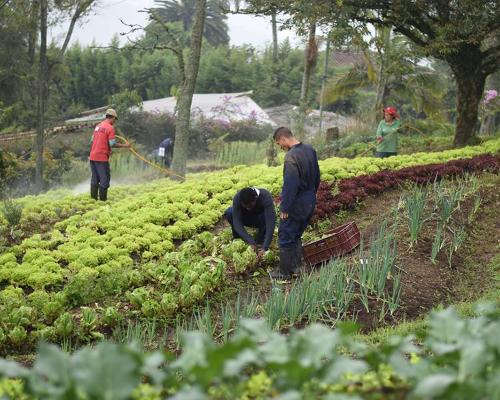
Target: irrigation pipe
pixel 167 171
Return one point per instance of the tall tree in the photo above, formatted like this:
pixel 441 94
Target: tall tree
pixel 395 73
pixel 310 61
pixel 15 51
pixel 183 11
pixel 189 73
pixel 459 32
pixel 274 27
pixel 76 9
pixel 383 42
pixel 274 23
pixel 43 72
pixel 464 33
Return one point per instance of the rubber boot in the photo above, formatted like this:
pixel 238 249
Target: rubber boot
pixel 288 256
pixel 298 258
pixel 93 191
pixel 103 194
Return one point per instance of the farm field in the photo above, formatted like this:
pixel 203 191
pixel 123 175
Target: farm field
pixel 152 251
pixel 424 229
pixel 365 135
pixel 156 260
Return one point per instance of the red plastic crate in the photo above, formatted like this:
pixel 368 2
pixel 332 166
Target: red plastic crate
pixel 340 240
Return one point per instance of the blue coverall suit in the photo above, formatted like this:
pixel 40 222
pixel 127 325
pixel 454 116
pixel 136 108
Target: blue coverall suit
pixel 168 146
pixel 262 217
pixel 301 178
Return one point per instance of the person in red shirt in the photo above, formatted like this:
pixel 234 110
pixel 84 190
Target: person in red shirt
pixel 102 140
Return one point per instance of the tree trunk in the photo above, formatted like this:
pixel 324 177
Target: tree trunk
pixel 323 85
pixel 33 32
pixel 42 96
pixel 310 59
pixel 275 37
pixel 382 74
pixel 272 154
pixel 185 99
pixel 275 78
pixel 470 79
pixel 44 72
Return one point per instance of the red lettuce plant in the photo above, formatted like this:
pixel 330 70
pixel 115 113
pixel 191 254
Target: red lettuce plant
pixel 353 190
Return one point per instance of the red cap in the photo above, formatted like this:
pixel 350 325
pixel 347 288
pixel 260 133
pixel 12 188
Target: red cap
pixel 391 111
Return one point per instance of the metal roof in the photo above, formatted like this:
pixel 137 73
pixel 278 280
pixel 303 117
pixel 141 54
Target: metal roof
pixel 222 106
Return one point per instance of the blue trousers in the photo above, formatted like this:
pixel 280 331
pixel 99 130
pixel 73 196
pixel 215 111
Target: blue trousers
pixel 251 220
pixel 290 230
pixel 100 174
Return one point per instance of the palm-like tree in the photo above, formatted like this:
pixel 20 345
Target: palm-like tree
pixel 403 77
pixel 183 10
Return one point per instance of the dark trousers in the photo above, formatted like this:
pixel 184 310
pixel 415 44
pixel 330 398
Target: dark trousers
pixel 167 160
pixel 100 174
pixel 385 154
pixel 251 220
pixel 290 230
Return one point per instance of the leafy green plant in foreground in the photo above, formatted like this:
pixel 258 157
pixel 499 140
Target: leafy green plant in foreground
pixel 457 359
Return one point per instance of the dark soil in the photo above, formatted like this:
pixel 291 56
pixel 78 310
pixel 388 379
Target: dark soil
pixel 424 284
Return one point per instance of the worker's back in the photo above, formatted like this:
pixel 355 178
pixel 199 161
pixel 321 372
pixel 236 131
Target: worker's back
pixel 303 158
pixel 166 143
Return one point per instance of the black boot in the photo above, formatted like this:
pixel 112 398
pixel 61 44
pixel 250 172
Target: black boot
pixel 298 258
pixel 103 194
pixel 288 256
pixel 93 191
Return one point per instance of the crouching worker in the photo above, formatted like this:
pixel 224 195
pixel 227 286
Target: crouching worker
pixel 254 208
pixel 102 140
pixel 301 178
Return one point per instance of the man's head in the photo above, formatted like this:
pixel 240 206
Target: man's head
pixel 284 138
pixel 248 198
pixel 111 115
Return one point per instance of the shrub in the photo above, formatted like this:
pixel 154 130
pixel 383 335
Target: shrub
pixel 12 212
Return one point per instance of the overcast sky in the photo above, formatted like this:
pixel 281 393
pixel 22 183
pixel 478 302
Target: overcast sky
pixel 104 22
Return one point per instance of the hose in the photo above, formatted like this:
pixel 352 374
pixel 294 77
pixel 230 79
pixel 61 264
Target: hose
pixel 166 171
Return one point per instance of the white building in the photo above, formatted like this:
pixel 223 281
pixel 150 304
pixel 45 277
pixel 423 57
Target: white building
pixel 221 106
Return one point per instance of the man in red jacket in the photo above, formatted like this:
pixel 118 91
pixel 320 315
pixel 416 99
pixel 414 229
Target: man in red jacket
pixel 102 141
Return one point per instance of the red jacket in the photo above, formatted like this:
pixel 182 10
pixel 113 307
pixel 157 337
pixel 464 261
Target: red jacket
pixel 101 149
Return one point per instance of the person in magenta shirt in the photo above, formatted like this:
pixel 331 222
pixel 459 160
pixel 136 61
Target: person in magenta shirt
pixel 103 139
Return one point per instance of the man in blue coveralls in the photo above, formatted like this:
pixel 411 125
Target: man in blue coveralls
pixel 301 180
pixel 253 207
pixel 165 151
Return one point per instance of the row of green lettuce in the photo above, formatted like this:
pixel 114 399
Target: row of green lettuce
pixel 57 205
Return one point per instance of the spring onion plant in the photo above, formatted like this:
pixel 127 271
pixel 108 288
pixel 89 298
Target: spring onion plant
pixel 437 244
pixel 414 204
